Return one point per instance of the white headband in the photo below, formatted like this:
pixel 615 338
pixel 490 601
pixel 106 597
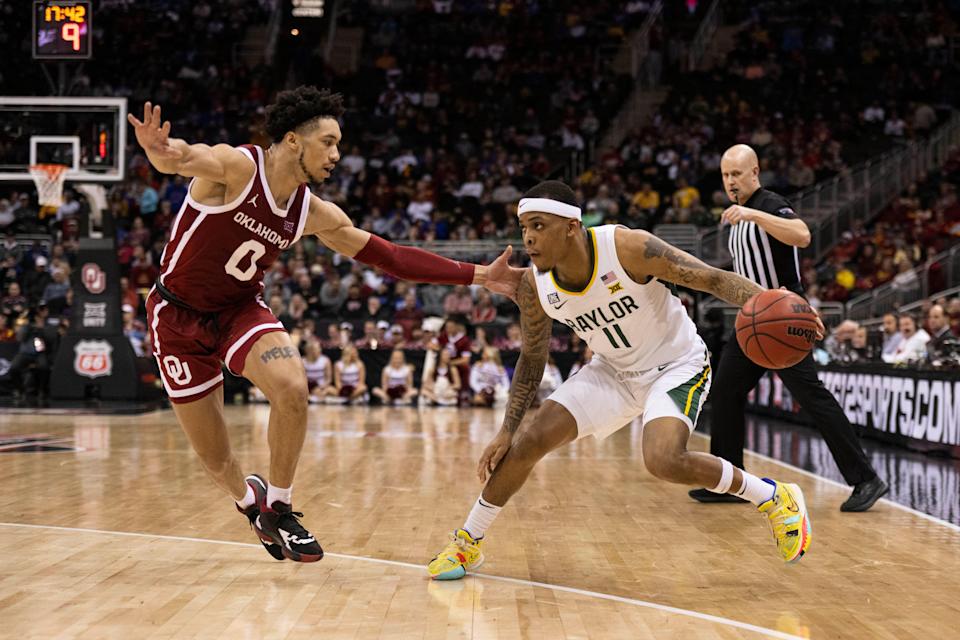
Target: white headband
pixel 546 205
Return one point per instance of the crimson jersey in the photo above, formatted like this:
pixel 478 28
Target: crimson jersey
pixel 216 256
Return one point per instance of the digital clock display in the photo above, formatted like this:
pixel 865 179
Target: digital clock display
pixel 62 29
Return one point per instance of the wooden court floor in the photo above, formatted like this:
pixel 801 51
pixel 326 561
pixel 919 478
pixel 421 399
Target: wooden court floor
pixel 128 539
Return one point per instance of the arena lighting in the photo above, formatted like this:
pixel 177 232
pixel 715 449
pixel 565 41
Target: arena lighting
pixel 294 32
pixel 307 8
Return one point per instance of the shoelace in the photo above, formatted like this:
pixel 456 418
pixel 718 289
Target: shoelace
pixel 288 522
pixel 460 542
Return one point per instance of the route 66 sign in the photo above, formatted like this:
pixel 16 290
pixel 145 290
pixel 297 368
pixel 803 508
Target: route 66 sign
pixel 92 358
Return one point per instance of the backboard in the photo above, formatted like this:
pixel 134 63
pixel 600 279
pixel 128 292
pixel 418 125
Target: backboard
pixel 89 135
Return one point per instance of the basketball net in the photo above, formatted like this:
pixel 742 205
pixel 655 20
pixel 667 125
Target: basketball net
pixel 49 179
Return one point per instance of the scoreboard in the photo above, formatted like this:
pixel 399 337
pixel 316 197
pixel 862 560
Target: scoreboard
pixel 62 30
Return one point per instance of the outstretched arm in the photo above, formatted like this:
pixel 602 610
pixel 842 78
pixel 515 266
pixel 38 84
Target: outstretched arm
pixel 328 222
pixel 173 155
pixel 534 352
pixel 644 254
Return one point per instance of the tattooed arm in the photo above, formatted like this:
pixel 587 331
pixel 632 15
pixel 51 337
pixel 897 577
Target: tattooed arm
pixel 534 354
pixel 644 254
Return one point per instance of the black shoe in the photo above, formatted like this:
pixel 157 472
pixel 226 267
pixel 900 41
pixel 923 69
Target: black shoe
pixel 278 524
pixel 865 495
pixel 260 491
pixel 702 495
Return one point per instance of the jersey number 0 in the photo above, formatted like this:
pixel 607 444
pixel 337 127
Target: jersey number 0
pixel 256 251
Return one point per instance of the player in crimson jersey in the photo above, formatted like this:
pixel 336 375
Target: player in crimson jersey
pixel 244 206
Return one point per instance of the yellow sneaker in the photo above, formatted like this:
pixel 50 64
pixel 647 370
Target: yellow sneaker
pixel 789 520
pixel 461 554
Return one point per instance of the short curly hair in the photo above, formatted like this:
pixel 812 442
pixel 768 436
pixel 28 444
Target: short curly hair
pixel 294 108
pixel 553 190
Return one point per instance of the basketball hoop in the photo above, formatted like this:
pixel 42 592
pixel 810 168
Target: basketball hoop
pixel 49 179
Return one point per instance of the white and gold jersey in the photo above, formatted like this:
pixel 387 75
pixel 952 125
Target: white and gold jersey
pixel 631 326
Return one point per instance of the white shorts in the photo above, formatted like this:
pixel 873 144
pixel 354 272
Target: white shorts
pixel 602 400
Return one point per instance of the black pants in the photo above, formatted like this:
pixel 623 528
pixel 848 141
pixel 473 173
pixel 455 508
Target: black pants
pixel 737 375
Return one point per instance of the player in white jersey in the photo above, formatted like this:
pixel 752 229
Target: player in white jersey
pixel 612 286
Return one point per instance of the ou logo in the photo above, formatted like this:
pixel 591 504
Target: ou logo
pixel 178 371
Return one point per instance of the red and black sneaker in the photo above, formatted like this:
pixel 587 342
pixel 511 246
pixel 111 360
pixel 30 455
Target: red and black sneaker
pixel 278 524
pixel 259 487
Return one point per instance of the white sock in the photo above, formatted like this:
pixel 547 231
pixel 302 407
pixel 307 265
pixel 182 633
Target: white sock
pixel 481 516
pixel 248 499
pixel 754 489
pixel 276 493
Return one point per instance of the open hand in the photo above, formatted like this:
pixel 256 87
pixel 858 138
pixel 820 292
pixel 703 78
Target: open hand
pixel 501 277
pixel 154 135
pixel 493 454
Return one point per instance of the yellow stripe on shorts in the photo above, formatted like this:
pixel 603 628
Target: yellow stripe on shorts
pixel 703 378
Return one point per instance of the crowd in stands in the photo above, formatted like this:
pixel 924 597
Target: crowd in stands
pixel 922 222
pixel 929 337
pixel 789 90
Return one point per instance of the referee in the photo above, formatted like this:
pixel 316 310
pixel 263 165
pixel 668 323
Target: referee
pixel 764 238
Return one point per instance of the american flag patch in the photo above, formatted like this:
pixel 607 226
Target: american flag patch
pixel 553 298
pixel 288 227
pixel 609 277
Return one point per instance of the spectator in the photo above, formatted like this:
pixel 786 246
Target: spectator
pixel 36 280
pixel 458 301
pixel 913 347
pixel 455 341
pixel 396 381
pixel 488 379
pixel 441 383
pixel 353 308
pixel 484 312
pixel 333 294
pixel 891 336
pixel 375 310
pixel 30 368
pixel 134 331
pixel 647 200
pixel 939 331
pixel 350 375
pixel 512 341
pixel 58 286
pixel 410 316
pixel 319 372
pixel 551 381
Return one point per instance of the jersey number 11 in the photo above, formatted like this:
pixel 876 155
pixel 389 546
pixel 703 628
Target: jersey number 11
pixel 613 341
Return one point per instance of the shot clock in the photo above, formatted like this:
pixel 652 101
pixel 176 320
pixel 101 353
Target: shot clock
pixel 62 30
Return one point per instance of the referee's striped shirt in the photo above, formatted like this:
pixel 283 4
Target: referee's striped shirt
pixel 759 256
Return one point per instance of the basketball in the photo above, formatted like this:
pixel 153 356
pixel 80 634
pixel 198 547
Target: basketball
pixel 776 329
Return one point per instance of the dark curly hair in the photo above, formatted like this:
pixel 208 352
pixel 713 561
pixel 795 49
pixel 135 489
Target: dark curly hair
pixel 297 107
pixel 553 190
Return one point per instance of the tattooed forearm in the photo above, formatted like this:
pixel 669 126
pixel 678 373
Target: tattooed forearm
pixel 533 357
pixel 277 353
pixel 671 264
pixel 732 288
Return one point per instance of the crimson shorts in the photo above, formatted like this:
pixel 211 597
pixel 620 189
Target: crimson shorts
pixel 190 346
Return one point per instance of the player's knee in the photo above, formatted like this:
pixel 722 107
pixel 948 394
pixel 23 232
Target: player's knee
pixel 663 464
pixel 531 445
pixel 216 462
pixel 290 395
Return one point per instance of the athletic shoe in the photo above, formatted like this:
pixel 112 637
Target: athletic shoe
pixel 865 495
pixel 259 487
pixel 704 495
pixel 789 520
pixel 278 524
pixel 462 553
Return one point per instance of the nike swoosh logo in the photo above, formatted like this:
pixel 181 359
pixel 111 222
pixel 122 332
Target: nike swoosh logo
pixel 557 306
pixel 663 366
